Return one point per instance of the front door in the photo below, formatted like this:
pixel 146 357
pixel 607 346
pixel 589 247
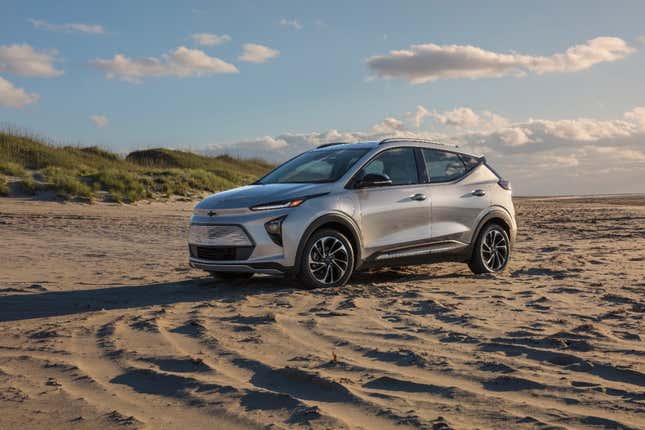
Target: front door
pixel 398 214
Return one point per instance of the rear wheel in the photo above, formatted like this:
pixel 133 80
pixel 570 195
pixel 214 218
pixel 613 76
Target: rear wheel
pixel 327 260
pixel 492 250
pixel 231 276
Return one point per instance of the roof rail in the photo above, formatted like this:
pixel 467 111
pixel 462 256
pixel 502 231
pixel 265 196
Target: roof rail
pixel 325 145
pixel 411 139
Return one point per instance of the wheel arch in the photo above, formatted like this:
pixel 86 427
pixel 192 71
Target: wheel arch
pixel 495 215
pixel 337 221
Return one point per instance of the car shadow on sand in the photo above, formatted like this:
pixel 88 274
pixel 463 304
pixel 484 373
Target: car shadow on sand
pixel 24 306
pixel 17 307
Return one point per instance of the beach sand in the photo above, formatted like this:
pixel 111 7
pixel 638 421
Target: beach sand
pixel 103 325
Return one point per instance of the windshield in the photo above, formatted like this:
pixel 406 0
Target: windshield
pixel 315 166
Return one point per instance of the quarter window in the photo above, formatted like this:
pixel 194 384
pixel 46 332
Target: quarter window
pixel 443 166
pixel 470 162
pixel 399 164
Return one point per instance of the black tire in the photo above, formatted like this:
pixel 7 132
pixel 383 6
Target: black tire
pixel 338 249
pixel 231 276
pixel 481 261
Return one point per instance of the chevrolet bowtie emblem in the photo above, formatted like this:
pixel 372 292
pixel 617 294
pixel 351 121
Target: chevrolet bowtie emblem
pixel 212 213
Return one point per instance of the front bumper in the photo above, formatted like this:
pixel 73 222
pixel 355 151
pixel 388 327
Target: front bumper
pixel 237 241
pixel 264 268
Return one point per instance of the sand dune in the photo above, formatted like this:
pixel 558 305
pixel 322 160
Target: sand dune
pixel 103 325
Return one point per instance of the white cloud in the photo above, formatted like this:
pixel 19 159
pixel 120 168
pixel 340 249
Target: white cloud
pixel 619 153
pixel 536 135
pixel 636 115
pixel 264 143
pixel 14 97
pixel 429 62
pixel 531 136
pixel 459 117
pixel 254 53
pixel 69 27
pixel 293 23
pixel 388 125
pixel 463 118
pixel 512 136
pixel 583 129
pixel 417 116
pixel 540 156
pixel 181 62
pixel 492 121
pixel 209 39
pixel 100 121
pixel 550 161
pixel 286 145
pixel 24 60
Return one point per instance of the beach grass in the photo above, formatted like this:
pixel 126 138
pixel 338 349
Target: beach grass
pixel 88 173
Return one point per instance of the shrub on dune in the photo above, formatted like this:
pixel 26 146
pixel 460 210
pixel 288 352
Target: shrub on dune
pixel 29 186
pixel 122 184
pixel 4 186
pixel 65 183
pixel 12 169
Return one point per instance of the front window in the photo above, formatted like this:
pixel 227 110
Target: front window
pixel 315 167
pixel 398 164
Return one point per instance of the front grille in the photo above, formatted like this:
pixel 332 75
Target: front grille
pixel 221 253
pixel 218 235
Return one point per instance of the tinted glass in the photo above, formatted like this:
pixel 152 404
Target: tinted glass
pixel 470 162
pixel 443 166
pixel 398 164
pixel 315 166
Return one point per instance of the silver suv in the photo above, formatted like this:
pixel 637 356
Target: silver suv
pixel 345 207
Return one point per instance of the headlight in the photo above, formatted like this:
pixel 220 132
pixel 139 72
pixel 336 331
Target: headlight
pixel 277 205
pixel 283 204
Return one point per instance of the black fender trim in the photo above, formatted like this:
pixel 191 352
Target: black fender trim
pixel 336 217
pixel 491 215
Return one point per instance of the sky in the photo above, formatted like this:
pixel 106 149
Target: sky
pixel 551 92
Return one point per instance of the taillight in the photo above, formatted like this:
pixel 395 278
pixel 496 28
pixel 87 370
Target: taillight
pixel 504 184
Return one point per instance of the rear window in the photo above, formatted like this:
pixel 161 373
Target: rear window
pixel 443 166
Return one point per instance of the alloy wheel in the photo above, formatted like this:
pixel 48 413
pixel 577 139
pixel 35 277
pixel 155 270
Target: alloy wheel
pixel 328 260
pixel 494 250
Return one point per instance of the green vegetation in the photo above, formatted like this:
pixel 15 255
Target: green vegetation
pixel 66 183
pixel 91 172
pixel 11 169
pixel 29 186
pixel 4 187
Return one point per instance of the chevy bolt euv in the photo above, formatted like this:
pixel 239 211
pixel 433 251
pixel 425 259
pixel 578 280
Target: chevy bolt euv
pixel 344 207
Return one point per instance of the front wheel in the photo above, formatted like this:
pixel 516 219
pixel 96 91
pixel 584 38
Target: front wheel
pixel 492 250
pixel 327 260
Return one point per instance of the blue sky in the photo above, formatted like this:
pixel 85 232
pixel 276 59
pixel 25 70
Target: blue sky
pixel 320 80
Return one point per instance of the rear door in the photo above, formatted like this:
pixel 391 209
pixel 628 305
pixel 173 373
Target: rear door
pixel 397 214
pixel 459 188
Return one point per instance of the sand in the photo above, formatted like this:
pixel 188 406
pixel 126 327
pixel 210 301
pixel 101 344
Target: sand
pixel 104 326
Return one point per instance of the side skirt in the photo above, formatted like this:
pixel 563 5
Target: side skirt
pixel 420 254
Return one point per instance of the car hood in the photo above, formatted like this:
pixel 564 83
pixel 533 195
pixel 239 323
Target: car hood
pixel 252 195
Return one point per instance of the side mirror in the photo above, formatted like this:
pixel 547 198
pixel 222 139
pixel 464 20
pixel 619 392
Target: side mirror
pixel 374 180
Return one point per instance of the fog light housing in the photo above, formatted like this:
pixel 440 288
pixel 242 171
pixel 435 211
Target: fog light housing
pixel 274 229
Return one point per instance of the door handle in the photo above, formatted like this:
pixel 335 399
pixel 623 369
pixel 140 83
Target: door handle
pixel 419 197
pixel 478 193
